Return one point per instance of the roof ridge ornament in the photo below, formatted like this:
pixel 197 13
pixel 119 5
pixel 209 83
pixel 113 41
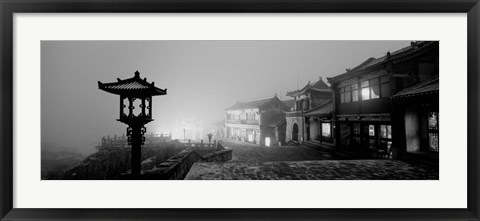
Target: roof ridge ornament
pixel 134 86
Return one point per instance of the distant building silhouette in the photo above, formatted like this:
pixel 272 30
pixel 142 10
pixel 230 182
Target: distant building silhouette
pixel 311 118
pixel 258 122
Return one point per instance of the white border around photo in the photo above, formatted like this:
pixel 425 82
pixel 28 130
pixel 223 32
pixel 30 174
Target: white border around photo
pixel 448 192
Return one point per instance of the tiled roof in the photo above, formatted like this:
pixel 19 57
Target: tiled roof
pixel 372 64
pixel 426 87
pixel 372 61
pixel 249 104
pixel 368 62
pixel 132 86
pixel 289 103
pixel 323 110
pixel 275 120
pixel 320 85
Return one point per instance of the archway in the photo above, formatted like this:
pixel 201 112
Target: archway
pixel 295 132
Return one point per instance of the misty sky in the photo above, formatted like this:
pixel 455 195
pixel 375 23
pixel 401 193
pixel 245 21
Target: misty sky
pixel 202 77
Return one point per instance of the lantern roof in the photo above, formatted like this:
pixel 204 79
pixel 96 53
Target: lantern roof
pixel 135 86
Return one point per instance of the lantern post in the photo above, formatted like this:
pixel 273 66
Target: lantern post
pixel 131 90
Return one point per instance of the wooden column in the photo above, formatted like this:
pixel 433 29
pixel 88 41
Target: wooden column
pixel 143 106
pixel 130 106
pixel 121 106
pixel 136 149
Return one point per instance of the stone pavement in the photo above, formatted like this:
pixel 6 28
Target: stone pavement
pixel 251 162
pixel 252 153
pixel 313 170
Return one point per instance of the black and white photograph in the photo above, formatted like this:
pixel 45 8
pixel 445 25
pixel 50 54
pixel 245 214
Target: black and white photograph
pixel 239 110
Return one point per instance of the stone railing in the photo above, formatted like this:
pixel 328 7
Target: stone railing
pixel 177 167
pixel 218 156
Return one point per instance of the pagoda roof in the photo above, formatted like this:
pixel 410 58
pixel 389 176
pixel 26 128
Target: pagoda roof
pixel 132 86
pixel 289 103
pixel 374 64
pixel 256 104
pixel 275 120
pixel 249 104
pixel 324 110
pixel 320 85
pixel 423 88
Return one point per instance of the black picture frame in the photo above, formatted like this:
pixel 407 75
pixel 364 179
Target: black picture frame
pixel 9 7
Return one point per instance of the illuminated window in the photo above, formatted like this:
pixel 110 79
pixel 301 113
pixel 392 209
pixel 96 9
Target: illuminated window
pixel 349 93
pixel 371 130
pixel 374 92
pixel 326 130
pixel 366 93
pixel 433 136
pixel 386 138
pixel 433 141
pixel 371 89
pixel 374 88
pixel 386 131
pixel 354 92
pixel 433 121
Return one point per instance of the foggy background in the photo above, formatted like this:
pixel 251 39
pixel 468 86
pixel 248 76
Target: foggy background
pixel 203 78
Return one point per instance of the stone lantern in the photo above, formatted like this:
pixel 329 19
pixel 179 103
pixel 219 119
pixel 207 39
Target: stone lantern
pixel 135 111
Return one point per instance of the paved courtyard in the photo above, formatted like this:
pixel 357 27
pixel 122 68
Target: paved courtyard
pixel 252 153
pixel 313 170
pixel 251 162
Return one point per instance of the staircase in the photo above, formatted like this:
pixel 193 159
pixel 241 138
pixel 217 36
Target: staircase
pixel 316 144
pixel 292 143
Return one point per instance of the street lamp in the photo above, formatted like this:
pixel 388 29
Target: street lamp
pixel 184 133
pixel 131 90
pixel 209 135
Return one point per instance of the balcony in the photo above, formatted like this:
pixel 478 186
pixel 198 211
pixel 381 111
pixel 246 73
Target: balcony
pixel 249 122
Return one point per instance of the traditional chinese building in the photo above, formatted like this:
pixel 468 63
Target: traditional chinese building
pixel 257 122
pixel 389 103
pixel 417 108
pixel 310 119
